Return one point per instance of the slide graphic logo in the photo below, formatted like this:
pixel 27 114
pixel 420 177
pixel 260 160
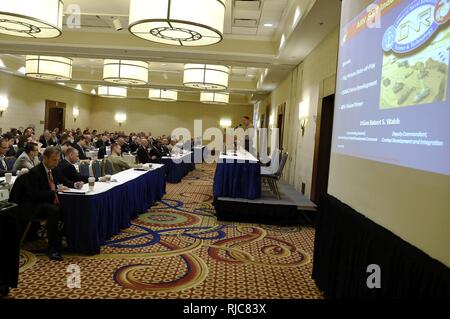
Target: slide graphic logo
pixel 415 25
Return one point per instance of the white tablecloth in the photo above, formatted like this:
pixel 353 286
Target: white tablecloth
pixel 239 155
pixel 118 179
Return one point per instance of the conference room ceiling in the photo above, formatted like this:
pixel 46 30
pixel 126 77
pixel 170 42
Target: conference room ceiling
pixel 251 47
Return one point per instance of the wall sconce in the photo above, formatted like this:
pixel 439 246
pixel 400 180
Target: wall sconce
pixel 303 114
pixel 4 103
pixel 75 113
pixel 120 118
pixel 225 123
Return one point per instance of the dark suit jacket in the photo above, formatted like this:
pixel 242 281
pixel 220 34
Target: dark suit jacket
pixel 70 172
pixel 4 170
pixel 99 144
pixel 33 190
pixel 11 152
pixel 165 150
pixel 143 155
pixel 133 147
pixel 81 152
pixel 154 151
pixel 45 143
pixel 125 148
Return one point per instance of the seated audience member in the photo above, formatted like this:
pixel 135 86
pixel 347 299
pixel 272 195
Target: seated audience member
pixel 143 153
pixel 165 144
pixel 42 197
pixel 171 144
pixel 67 168
pixel 28 159
pixel 80 146
pixel 134 144
pixel 4 147
pixel 57 133
pixel 46 139
pixel 64 144
pixel 11 141
pixel 116 160
pixel 123 145
pixel 54 138
pixel 155 152
pixel 177 147
pixel 102 141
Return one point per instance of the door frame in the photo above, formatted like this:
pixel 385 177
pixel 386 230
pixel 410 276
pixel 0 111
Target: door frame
pixel 58 105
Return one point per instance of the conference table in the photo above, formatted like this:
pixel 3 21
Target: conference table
pixel 178 166
pixel 238 175
pixel 93 217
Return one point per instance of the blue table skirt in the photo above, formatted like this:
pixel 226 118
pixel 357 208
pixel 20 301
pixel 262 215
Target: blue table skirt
pixel 238 180
pixel 176 171
pixel 91 220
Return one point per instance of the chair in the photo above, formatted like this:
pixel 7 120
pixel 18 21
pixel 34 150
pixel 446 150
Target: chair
pixel 84 169
pixel 96 169
pixel 107 168
pixel 17 195
pixel 272 178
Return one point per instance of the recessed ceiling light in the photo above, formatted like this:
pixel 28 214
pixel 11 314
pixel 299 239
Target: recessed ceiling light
pixel 268 24
pixel 22 70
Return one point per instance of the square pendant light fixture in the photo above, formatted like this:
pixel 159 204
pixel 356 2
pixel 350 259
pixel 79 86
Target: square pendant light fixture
pixel 178 22
pixel 36 19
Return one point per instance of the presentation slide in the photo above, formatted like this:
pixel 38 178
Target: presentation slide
pixel 392 96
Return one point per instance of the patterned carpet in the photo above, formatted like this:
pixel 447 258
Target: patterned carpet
pixel 179 250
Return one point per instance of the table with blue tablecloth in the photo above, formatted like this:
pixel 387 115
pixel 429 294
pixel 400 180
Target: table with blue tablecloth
pixel 91 219
pixel 238 175
pixel 178 166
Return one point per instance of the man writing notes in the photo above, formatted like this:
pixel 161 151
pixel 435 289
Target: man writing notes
pixel 44 182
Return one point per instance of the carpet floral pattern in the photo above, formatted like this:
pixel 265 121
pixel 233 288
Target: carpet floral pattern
pixel 179 250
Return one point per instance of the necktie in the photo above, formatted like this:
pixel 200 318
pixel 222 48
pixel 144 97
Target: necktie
pixel 51 182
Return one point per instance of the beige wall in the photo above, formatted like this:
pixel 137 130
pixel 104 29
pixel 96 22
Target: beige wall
pixel 161 117
pixel 312 80
pixel 27 106
pixel 27 102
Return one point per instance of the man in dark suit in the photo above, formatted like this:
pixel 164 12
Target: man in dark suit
pixel 67 168
pixel 79 146
pixel 4 147
pixel 46 139
pixel 123 145
pixel 102 141
pixel 41 200
pixel 143 153
pixel 157 151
